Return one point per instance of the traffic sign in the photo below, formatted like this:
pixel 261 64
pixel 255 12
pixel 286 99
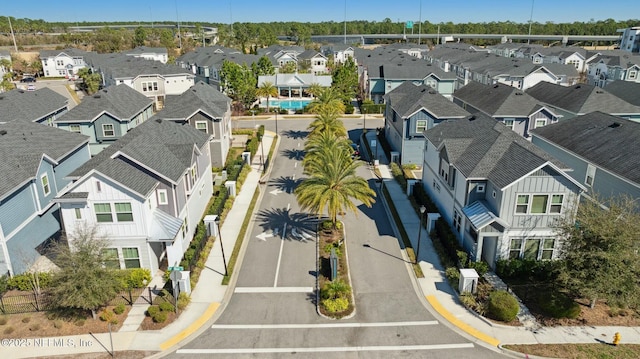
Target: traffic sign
pixel 175 268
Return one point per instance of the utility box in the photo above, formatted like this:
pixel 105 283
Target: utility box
pixel 395 156
pixel 184 282
pixel 231 188
pixel 210 223
pixel 246 157
pixel 431 221
pixel 468 280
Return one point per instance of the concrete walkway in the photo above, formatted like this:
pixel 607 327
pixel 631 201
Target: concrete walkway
pixel 209 295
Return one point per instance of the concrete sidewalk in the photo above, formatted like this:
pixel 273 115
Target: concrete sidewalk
pixel 444 299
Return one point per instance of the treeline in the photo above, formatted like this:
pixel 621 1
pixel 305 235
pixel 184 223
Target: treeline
pixel 386 26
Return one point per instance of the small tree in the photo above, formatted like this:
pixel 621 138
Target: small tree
pixel 83 281
pixel 600 251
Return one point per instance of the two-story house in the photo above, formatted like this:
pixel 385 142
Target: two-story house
pixel 205 63
pixel 36 160
pixel 582 99
pixel 410 110
pixel 150 53
pixel 514 108
pixel 602 149
pixel 4 55
pixel 314 61
pixel 500 193
pixel 613 65
pixel 630 39
pixel 206 109
pixel 107 115
pixel 41 106
pixel 62 63
pixel 145 194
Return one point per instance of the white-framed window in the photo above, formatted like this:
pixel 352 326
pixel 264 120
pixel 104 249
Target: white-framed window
pixel 457 220
pixel 78 213
pixel 110 258
pixel 480 188
pixel 515 248
pixel 194 175
pixel 185 228
pixel 108 130
pixel 539 204
pixel 591 173
pixel 131 257
pixel 541 122
pixel 149 86
pixel 509 123
pixel 59 63
pixel 202 126
pixel 98 186
pixel 632 74
pixel 103 212
pixel 74 128
pixel 44 180
pixel 124 213
pixel 162 196
pixel 421 125
pixel 532 248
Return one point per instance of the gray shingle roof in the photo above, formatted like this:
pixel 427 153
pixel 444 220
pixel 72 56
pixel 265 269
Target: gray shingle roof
pixel 200 97
pixel 408 98
pixel 413 70
pixel 581 99
pixel 118 66
pixel 121 101
pixel 164 147
pixel 30 105
pixel 596 137
pixel 628 91
pixel 480 147
pixel 497 100
pixel 22 145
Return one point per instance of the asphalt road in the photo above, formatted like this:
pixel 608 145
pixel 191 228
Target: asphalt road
pixel 58 86
pixel 272 313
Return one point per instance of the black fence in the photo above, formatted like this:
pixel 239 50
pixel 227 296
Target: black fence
pixel 31 302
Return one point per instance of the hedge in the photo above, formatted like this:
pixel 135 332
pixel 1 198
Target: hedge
pixel 502 306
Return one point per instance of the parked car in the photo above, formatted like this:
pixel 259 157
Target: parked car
pixel 28 79
pixel 31 87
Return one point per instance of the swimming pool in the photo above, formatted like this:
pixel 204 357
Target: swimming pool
pixel 287 104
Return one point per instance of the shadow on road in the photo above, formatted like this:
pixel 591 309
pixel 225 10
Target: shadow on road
pixel 293 154
pixel 301 227
pixel 295 134
pixel 367 245
pixel 285 184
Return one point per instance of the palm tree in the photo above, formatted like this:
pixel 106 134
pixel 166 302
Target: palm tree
pixel 267 89
pixel 327 121
pixel 326 100
pixel 319 146
pixel 334 186
pixel 314 89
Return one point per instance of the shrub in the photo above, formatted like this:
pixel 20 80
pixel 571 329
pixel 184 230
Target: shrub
pixel 481 267
pixel 3 320
pixel 24 282
pixel 558 305
pixel 260 131
pixel 327 248
pixel 526 269
pixel 335 289
pixel 26 319
pixel 469 300
pixel 160 317
pixel 502 306
pixel 453 276
pixel 336 305
pixel 422 198
pixel 34 327
pixel 8 330
pixel 183 300
pixel 4 286
pixel 119 309
pixel 153 310
pixel 349 109
pixel 134 278
pixel 79 322
pixel 58 323
pixel 166 307
pixel 107 316
pixel 462 258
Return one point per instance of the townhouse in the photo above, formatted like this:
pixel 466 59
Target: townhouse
pixel 107 115
pixel 41 106
pixel 62 63
pixel 411 109
pixel 146 194
pixel 614 65
pixel 36 161
pixel 500 193
pixel 514 108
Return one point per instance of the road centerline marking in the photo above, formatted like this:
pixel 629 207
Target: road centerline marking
pixel 284 234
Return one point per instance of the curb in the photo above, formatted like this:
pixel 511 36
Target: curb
pixel 192 328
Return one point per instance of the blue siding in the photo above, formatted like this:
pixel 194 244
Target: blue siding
pixel 15 209
pixel 46 168
pixel 22 246
pixel 69 164
pixel 117 128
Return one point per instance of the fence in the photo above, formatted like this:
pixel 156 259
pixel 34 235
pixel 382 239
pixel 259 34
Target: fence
pixel 31 302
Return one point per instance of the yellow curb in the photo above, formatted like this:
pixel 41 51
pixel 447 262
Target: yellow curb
pixel 73 94
pixel 191 328
pixel 458 323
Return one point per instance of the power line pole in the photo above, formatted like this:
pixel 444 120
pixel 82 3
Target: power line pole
pixel 13 35
pixel 530 22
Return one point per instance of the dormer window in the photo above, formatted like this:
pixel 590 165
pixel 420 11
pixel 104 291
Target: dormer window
pixel 480 188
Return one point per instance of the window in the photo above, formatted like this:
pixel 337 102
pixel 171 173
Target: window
pixel 185 228
pixel 131 257
pixel 541 122
pixel 162 196
pixel 591 172
pixel 103 212
pixel 509 123
pixel 633 74
pixel 421 125
pixel 194 175
pixel 110 258
pixel 149 86
pixel 494 194
pixel 548 245
pixel 202 126
pixel 539 204
pixel 522 204
pixel 556 203
pixel 515 248
pixel 124 212
pixel 78 213
pixel 108 131
pixel 45 184
pixel 98 186
pixel 457 219
pixel 74 128
pixel 531 248
pixel 480 188
pixel 59 62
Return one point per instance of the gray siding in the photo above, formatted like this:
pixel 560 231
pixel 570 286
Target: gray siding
pixel 105 119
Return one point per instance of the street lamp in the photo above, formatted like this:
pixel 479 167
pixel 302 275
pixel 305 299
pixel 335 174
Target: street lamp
pixel 262 151
pixel 422 210
pixel 276 110
pixel 377 141
pixel 364 124
pixel 224 260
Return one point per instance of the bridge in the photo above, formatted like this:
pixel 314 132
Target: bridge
pixel 209 31
pixel 370 38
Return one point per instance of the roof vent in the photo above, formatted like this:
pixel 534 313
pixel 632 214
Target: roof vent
pixel 577 87
pixel 599 91
pixel 472 118
pixel 433 92
pixel 3 132
pixel 495 86
pixel 97 95
pixel 423 90
pixel 519 93
pixel 615 125
pixel 158 120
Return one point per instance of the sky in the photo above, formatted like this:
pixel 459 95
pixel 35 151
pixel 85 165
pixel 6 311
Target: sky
pixel 226 11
